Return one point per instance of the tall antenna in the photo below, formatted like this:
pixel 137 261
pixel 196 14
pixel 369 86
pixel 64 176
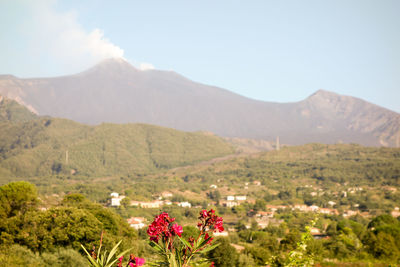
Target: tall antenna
pixel 66 157
pixel 277 143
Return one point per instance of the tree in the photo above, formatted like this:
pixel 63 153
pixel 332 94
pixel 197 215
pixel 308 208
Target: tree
pixel 246 260
pixel 214 195
pixel 385 219
pixel 126 202
pixel 260 205
pixel 17 198
pixel 65 226
pixel 224 255
pixel 289 242
pixel 382 246
pixel 73 199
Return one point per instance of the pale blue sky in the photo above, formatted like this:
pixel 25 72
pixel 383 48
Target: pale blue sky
pixel 269 50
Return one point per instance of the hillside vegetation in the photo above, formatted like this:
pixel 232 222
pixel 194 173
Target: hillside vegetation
pixel 49 146
pixel 14 112
pixel 349 175
pixel 358 186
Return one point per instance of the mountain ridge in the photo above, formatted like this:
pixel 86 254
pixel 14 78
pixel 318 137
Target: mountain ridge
pixel 117 92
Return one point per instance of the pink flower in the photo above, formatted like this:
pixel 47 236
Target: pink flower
pixel 120 261
pixel 219 224
pixel 139 261
pixel 162 227
pixel 177 229
pixel 203 214
pixel 210 222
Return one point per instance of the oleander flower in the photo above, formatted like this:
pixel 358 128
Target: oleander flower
pixel 162 227
pixel 203 213
pixel 139 261
pixel 120 261
pixel 210 222
pixel 177 229
pixel 135 261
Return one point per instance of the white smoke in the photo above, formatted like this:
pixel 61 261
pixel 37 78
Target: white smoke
pixel 61 36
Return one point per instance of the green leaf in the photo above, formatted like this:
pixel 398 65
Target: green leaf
pixel 119 255
pixel 113 251
pixel 178 256
pixel 207 249
pixel 91 260
pixel 157 247
pixel 185 242
pixel 172 261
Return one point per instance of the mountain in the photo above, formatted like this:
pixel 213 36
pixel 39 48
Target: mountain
pixel 44 146
pixel 114 91
pixel 11 111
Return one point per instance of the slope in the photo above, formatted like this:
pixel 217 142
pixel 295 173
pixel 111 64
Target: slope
pixel 114 91
pixel 48 147
pixel 11 111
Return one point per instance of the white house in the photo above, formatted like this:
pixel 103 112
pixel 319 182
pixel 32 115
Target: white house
pixel 230 198
pixel 332 203
pixel 136 222
pixel 313 208
pixel 229 204
pixel 114 194
pixel 184 204
pixel 241 198
pixel 395 213
pixel 116 199
pixel 151 205
pixel 265 214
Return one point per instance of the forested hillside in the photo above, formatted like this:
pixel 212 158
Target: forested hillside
pixel 33 146
pixel 11 111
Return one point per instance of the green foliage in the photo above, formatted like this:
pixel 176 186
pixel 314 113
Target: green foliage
pixel 48 146
pixel 56 227
pixel 103 258
pixel 224 255
pixel 11 111
pixel 181 253
pixel 246 260
pixel 382 246
pixel 313 174
pixel 77 221
pixel 64 258
pixel 383 220
pixel 301 254
pixel 17 198
pixel 16 256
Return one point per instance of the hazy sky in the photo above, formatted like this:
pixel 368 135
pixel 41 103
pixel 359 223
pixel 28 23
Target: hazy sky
pixel 269 50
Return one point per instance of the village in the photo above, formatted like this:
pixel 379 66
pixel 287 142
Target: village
pixel 263 218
